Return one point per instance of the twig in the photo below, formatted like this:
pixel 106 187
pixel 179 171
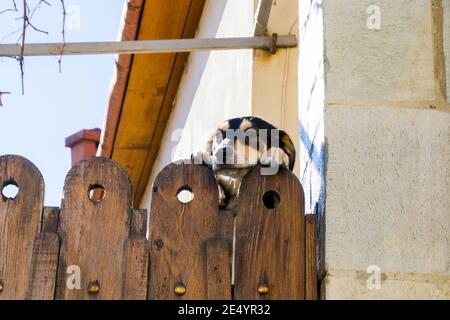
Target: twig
pixel 22 49
pixel 2 93
pixel 63 5
pixel 26 17
pixel 13 9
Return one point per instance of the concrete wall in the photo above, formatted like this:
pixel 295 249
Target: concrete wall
pixel 387 131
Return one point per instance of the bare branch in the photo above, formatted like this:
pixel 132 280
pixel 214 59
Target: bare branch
pixel 36 29
pixel 24 31
pixel 26 17
pixel 63 5
pixel 2 93
pixel 13 9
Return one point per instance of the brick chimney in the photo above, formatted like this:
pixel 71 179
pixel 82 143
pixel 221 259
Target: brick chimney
pixel 84 144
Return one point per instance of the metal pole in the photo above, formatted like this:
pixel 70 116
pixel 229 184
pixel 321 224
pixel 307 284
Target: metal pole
pixel 149 46
pixel 262 17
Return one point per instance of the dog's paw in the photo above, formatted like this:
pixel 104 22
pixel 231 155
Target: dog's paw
pixel 275 157
pixel 201 157
pixel 222 197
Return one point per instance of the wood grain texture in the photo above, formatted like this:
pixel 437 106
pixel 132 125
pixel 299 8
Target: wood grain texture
pixel 311 262
pixel 226 222
pixel 19 224
pixel 179 232
pixel 93 234
pixel 270 243
pixel 45 258
pixel 136 258
pixel 218 269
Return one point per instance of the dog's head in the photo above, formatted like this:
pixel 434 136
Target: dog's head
pixel 242 142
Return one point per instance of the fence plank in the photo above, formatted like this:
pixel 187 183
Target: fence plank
pixel 311 262
pixel 270 243
pixel 20 223
pixel 136 258
pixel 218 269
pixel 226 222
pixel 45 258
pixel 93 233
pixel 179 232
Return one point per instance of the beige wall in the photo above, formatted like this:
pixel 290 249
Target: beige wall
pixel 387 132
pixel 275 77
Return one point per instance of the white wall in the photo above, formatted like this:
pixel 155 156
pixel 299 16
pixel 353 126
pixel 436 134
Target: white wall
pixel 215 86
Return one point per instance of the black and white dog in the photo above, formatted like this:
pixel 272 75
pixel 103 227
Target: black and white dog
pixel 238 145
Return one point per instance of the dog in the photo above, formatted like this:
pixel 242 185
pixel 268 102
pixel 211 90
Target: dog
pixel 238 145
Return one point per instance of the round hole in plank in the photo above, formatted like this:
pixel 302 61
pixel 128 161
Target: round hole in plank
pixel 271 199
pixel 96 193
pixel 185 194
pixel 10 190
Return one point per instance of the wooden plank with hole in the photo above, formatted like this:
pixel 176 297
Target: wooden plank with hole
pixel 94 232
pixel 136 258
pixel 19 224
pixel 311 262
pixel 179 232
pixel 270 237
pixel 45 258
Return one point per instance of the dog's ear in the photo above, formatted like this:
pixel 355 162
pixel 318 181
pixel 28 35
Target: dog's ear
pixel 288 147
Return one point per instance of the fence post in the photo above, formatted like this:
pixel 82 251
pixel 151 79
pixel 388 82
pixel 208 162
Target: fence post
pixel 45 258
pixel 270 237
pixel 311 261
pixel 98 236
pixel 189 259
pixel 20 224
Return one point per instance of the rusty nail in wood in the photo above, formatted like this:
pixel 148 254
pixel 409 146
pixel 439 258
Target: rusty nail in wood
pixel 93 287
pixel 180 289
pixel 263 289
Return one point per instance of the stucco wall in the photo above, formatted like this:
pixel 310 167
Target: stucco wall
pixel 387 154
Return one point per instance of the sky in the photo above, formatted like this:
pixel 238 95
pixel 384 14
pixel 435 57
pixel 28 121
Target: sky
pixel 56 105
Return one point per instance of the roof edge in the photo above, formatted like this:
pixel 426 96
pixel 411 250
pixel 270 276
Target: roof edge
pixel 131 19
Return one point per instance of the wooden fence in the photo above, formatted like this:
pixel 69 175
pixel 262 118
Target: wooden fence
pixel 97 247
